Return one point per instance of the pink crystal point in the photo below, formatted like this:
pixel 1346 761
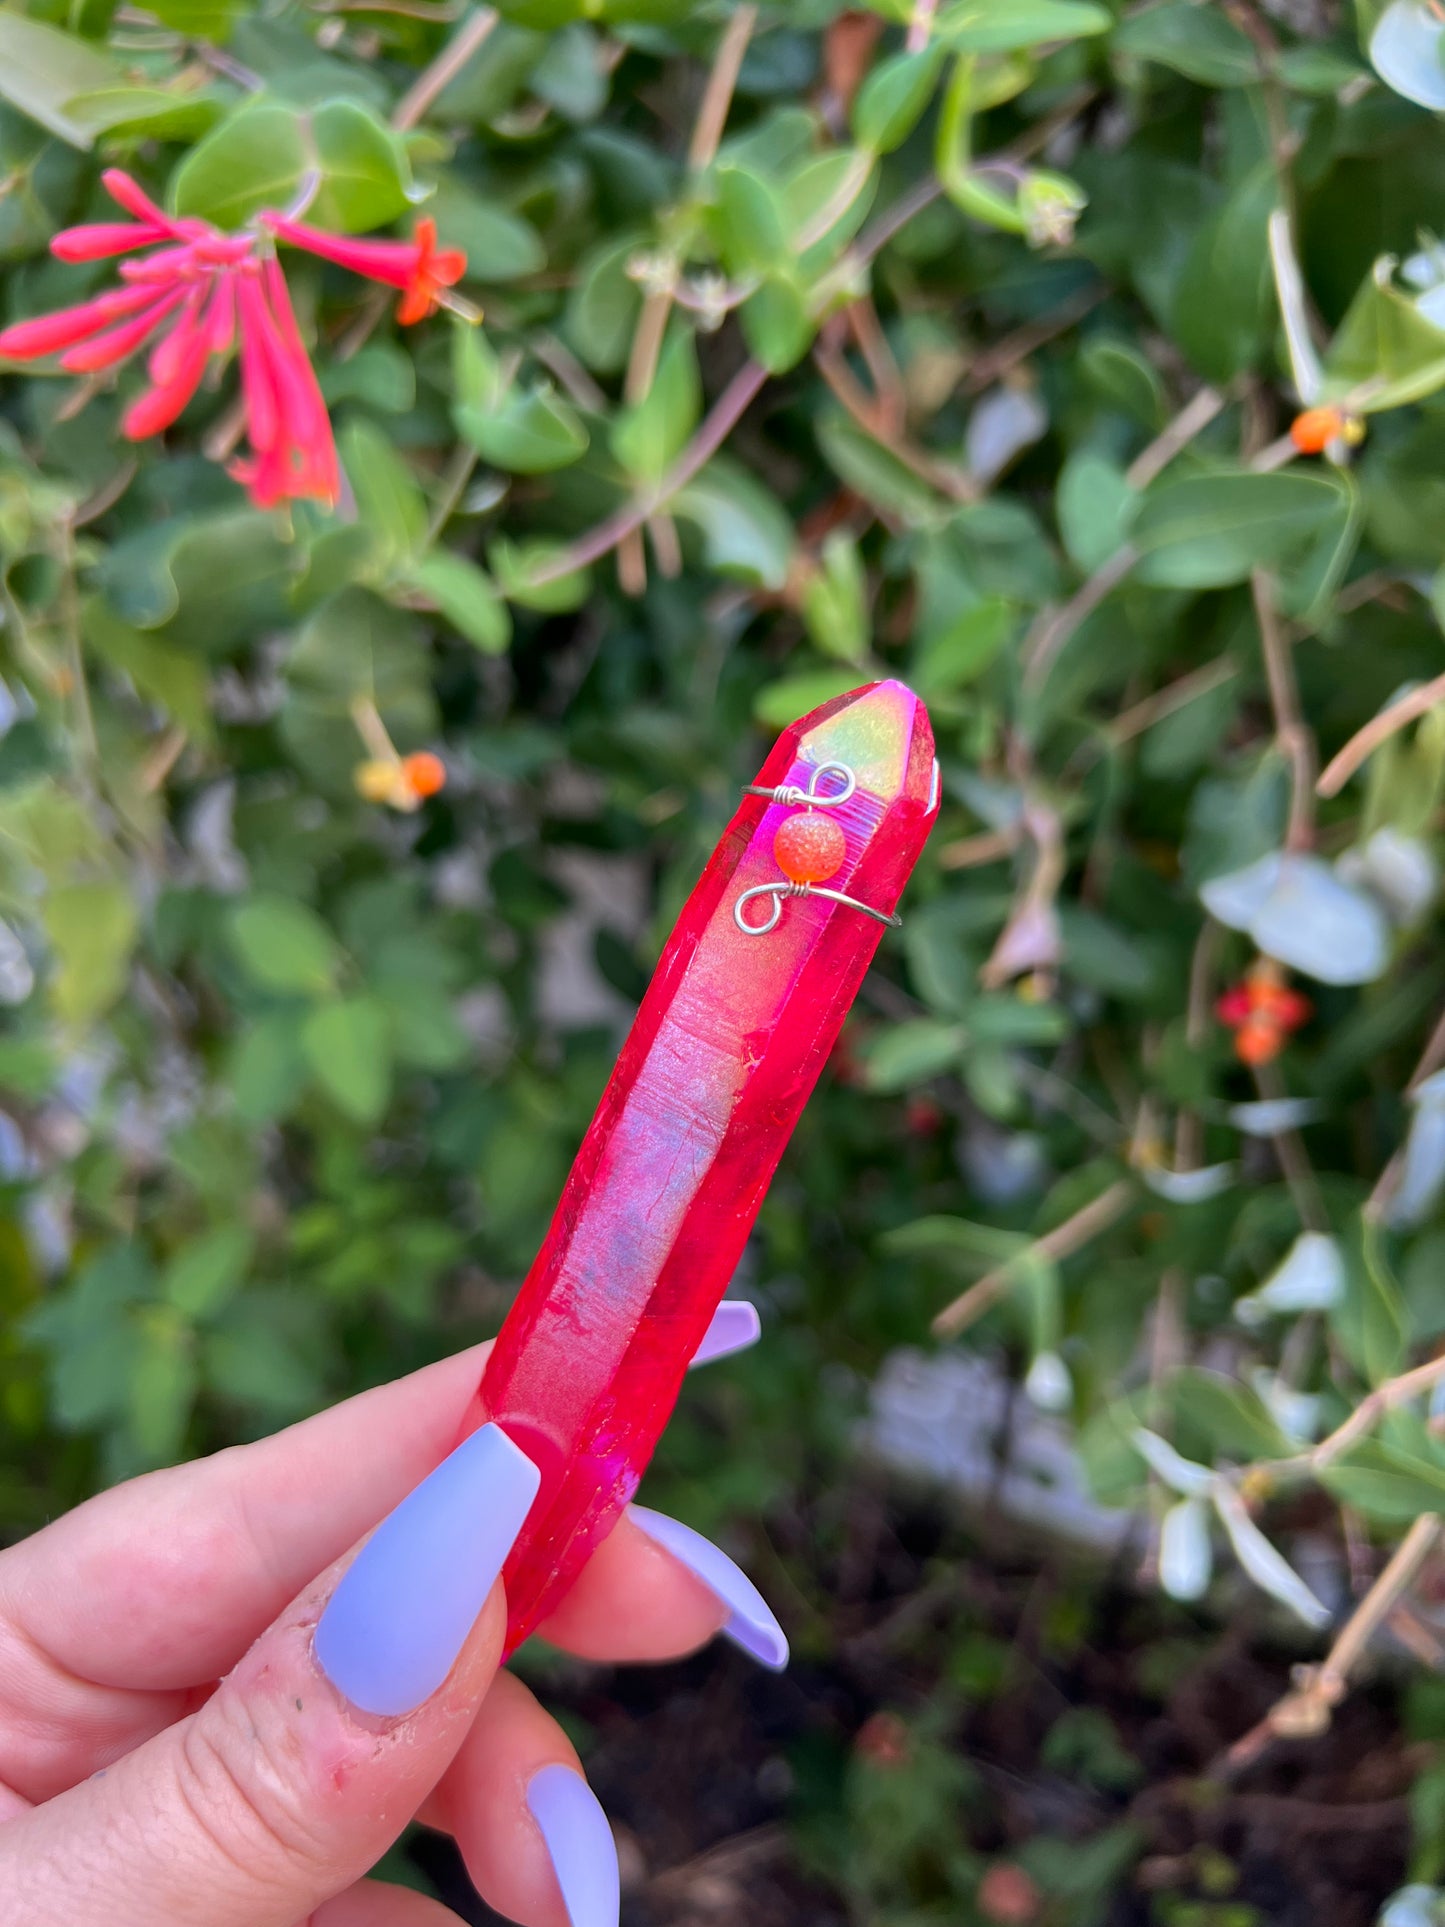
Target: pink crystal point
pixel 727 1045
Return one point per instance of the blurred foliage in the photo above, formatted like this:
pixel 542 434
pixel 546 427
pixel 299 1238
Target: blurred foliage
pixel 961 344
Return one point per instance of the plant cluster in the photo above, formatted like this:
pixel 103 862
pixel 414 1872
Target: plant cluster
pixel 363 721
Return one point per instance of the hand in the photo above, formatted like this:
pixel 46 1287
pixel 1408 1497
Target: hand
pixel 197 1731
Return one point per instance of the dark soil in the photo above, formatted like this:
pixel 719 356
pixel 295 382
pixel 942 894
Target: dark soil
pixel 722 1780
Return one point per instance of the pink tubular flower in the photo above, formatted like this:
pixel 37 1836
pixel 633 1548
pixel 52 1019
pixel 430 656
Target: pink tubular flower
pixel 293 451
pixel 194 295
pixel 418 267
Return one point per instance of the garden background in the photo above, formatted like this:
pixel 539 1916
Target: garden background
pixel 1079 363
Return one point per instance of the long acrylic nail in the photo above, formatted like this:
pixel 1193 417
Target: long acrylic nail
pixel 393 1628
pixel 576 1834
pixel 750 1623
pixel 735 1325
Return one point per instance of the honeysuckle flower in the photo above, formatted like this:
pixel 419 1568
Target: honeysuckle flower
pixel 288 428
pixel 196 295
pixel 421 269
pixel 1262 1011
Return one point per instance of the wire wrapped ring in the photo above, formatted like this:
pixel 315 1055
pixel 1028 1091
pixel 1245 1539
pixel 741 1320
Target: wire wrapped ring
pixel 777 891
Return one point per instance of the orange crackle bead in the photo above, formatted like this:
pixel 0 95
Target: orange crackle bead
pixel 1314 430
pixel 426 774
pixel 809 848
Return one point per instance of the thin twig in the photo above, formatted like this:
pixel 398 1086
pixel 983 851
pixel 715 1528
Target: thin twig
pixel 723 418
pixel 866 411
pixel 707 131
pixel 1363 744
pixel 1086 1224
pixel 1178 695
pixel 1192 420
pixel 453 485
pixel 1305 1712
pixel 1292 734
pixel 920 27
pixel 989 846
pixel 433 80
pixel 712 113
pixel 996 361
pixel 1372 1408
pixel 1052 628
pixel 1299 1173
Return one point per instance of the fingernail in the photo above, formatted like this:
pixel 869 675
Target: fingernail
pixel 392 1630
pixel 735 1325
pixel 750 1623
pixel 575 1832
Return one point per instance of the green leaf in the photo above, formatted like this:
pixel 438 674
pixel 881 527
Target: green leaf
pixel 603 306
pixel 911 1053
pixel 466 596
pixel 204 1273
pixel 1095 507
pixel 283 945
pixel 92 930
pixel 1386 353
pixel 777 325
pixel 42 70
pixel 500 246
pixel 1371 1323
pixel 348 1046
pixel 783 702
pixel 959 1242
pixel 745 530
pixel 1200 42
pixel 1386 1483
pixel 891 101
pixel 162 1390
pixel 380 376
pixel 1220 1418
pixel 266 1071
pixel 147 113
pixel 527 434
pixel 197 19
pixel 835 601
pixel 1224 300
pixel 169 676
pixel 1000 26
pixel 748 223
pixel 1206 531
pixel 261 155
pixel 517 567
pixel 648 438
pixel 389 499
pixel 868 467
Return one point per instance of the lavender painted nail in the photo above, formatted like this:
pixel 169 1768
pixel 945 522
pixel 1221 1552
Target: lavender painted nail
pixel 577 1836
pixel 392 1629
pixel 735 1325
pixel 750 1623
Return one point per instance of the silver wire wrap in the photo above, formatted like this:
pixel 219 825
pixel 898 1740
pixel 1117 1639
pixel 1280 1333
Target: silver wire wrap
pixel 777 891
pixel 810 798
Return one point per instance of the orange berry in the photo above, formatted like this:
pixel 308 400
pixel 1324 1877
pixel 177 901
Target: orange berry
pixel 1314 430
pixel 425 773
pixel 809 848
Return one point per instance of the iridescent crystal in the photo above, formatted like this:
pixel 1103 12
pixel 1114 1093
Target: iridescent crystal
pixel 726 1047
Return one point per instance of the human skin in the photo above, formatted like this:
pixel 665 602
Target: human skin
pixel 172 1753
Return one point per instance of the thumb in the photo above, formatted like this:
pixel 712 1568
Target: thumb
pixel 312 1755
